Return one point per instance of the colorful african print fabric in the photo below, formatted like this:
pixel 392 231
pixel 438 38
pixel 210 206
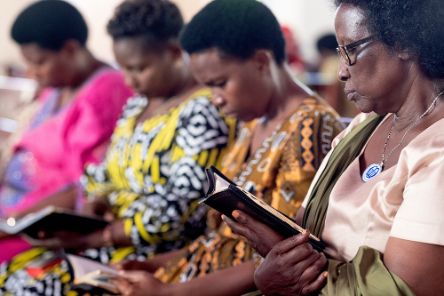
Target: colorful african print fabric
pixel 153 175
pixel 279 172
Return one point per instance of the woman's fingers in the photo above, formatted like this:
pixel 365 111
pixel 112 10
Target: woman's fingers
pixel 50 243
pixel 315 268
pixel 237 227
pixel 290 243
pixel 260 237
pixel 134 276
pixel 124 286
pixel 316 285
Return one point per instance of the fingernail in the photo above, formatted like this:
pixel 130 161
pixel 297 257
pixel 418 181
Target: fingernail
pixel 239 217
pixel 325 274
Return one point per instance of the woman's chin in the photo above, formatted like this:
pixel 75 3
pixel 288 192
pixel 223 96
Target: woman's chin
pixel 364 107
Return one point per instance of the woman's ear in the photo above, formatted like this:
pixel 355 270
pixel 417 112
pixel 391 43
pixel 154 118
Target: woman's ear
pixel 263 58
pixel 404 55
pixel 175 50
pixel 70 47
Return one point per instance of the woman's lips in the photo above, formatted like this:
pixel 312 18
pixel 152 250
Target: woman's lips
pixel 351 95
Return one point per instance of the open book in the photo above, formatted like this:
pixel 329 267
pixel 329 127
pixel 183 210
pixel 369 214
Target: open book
pixel 52 219
pixel 92 277
pixel 225 196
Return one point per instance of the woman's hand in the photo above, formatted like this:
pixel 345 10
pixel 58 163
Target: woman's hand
pixel 214 219
pixel 260 237
pixel 134 283
pixel 98 206
pixel 69 240
pixel 292 267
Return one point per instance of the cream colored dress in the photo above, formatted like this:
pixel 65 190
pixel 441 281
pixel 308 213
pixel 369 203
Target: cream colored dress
pixel 405 201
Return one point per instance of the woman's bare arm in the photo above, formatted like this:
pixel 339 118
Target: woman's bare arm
pixel 420 265
pixel 236 280
pixel 63 199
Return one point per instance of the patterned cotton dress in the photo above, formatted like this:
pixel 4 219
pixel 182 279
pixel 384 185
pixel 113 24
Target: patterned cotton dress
pixel 279 172
pixel 153 175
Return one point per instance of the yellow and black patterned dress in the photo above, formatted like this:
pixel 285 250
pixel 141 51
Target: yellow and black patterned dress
pixel 279 172
pixel 153 175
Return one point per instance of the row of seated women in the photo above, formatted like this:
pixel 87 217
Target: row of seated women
pixel 152 174
pixel 374 201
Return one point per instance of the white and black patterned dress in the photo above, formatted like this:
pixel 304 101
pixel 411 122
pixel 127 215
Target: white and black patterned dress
pixel 153 175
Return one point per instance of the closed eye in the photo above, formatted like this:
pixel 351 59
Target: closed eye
pixel 220 84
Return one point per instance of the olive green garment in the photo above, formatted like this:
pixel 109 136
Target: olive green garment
pixel 365 274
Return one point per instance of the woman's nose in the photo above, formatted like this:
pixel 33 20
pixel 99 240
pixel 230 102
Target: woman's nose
pixel 343 73
pixel 131 81
pixel 31 73
pixel 217 99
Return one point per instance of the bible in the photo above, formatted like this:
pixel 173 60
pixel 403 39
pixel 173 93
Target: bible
pixel 225 196
pixel 91 277
pixel 52 219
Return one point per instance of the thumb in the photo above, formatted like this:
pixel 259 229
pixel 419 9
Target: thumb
pixel 132 276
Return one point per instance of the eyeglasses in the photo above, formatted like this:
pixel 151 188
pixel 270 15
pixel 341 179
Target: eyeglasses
pixel 348 52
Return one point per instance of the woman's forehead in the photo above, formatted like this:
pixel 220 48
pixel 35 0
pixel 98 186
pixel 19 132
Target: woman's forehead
pixel 350 22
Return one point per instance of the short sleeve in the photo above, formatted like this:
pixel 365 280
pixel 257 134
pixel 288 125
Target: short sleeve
pixel 308 144
pixel 420 217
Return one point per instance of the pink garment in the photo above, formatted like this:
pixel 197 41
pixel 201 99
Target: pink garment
pixel 63 144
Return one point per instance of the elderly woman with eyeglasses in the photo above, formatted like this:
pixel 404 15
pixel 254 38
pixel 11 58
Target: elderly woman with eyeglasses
pixel 377 201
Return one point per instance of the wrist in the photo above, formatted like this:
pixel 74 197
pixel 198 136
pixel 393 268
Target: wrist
pixel 107 237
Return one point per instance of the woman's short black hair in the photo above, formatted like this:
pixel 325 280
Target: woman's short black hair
pixel 236 27
pixel 49 24
pixel 416 26
pixel 154 20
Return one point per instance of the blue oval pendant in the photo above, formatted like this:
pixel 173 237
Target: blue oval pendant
pixel 371 171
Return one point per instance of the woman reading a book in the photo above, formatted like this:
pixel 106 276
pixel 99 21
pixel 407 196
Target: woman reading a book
pixel 237 49
pixel 377 202
pixel 80 101
pixel 152 176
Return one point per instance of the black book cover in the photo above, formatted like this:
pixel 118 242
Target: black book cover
pixel 225 196
pixel 51 219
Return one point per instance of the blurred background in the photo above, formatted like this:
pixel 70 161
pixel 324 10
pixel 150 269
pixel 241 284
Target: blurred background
pixel 308 19
pixel 304 23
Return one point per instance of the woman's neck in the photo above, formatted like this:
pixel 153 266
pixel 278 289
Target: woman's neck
pixel 420 99
pixel 85 65
pixel 287 95
pixel 185 84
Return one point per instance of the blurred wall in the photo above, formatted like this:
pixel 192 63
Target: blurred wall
pixel 308 19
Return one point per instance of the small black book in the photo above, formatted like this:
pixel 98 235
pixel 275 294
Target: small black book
pixel 52 219
pixel 225 196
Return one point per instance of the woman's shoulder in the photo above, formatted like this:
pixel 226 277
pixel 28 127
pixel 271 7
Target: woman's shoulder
pixel 105 80
pixel 316 111
pixel 357 120
pixel 199 104
pixel 314 106
pixel 107 75
pixel 427 146
pixel 106 84
pixel 134 106
pixel 200 97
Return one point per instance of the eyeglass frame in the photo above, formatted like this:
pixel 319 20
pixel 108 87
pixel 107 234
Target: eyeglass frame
pixel 344 50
